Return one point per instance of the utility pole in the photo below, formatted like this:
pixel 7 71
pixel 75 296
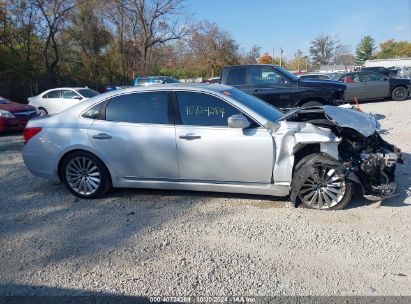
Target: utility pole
pixel 272 61
pixel 281 56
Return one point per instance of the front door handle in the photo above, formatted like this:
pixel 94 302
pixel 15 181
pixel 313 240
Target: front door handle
pixel 190 136
pixel 102 136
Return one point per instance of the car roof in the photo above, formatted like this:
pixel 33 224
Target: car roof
pixel 176 86
pixel 307 74
pixel 145 77
pixel 68 88
pixel 251 65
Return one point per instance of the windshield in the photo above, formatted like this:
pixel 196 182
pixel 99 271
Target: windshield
pixel 171 80
pixel 4 100
pixel 259 106
pixel 287 73
pixel 88 93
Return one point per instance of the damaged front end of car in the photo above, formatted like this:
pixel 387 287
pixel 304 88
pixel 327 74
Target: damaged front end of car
pixel 359 152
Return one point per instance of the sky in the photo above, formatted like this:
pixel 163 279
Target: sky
pixel 292 24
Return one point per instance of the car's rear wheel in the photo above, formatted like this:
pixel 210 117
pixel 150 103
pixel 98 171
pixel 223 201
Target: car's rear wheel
pixel 321 185
pixel 399 93
pixel 43 111
pixel 85 175
pixel 311 104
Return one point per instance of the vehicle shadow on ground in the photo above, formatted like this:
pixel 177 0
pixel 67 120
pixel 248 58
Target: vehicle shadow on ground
pixel 379 116
pixel 11 133
pixel 18 293
pixel 11 143
pixel 44 218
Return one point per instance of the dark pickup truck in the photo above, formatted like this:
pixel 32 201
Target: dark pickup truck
pixel 281 88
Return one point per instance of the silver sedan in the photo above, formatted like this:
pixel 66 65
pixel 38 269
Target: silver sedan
pixel 210 138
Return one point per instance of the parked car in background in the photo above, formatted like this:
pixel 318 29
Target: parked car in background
pixel 209 137
pixel 150 80
pixel 57 100
pixel 369 86
pixel 280 88
pixel 314 76
pixel 110 88
pixel 14 116
pixel 212 80
pixel 389 72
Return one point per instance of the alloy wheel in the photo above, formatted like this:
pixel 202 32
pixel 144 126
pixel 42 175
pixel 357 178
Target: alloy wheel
pixel 400 93
pixel 83 175
pixel 324 189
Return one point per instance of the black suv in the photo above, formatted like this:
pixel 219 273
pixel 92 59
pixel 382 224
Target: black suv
pixel 282 89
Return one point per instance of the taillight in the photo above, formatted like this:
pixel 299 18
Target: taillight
pixel 29 133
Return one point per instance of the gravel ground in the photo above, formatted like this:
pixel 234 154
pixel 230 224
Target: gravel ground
pixel 144 242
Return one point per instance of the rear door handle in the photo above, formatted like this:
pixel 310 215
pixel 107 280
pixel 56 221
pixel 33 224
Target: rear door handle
pixel 190 136
pixel 102 136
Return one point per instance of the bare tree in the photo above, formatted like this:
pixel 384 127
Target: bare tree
pixel 213 47
pixel 53 13
pixel 343 56
pixel 252 56
pixel 121 24
pixel 322 49
pixel 157 22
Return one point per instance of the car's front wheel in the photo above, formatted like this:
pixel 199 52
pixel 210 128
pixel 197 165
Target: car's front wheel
pixel 399 94
pixel 85 175
pixel 318 184
pixel 42 111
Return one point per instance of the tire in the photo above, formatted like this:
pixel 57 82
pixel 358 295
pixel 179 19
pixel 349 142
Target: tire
pixel 43 111
pixel 399 94
pixel 318 184
pixel 311 104
pixel 85 175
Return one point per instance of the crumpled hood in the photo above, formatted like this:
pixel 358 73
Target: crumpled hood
pixel 366 124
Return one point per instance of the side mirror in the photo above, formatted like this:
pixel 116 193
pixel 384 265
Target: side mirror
pixel 78 97
pixel 238 121
pixel 385 78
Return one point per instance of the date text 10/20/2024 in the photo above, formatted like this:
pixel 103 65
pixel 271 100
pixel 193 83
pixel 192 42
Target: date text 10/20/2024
pixel 203 299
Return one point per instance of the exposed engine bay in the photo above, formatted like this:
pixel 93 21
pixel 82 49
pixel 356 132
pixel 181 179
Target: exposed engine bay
pixel 363 155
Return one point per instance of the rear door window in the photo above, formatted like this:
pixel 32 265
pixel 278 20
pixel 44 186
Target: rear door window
pixel 372 77
pixel 53 94
pixel 68 94
pixel 150 108
pixel 198 109
pixel 236 76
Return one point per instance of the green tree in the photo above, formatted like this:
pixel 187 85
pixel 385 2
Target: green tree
pixel 364 50
pixel 393 49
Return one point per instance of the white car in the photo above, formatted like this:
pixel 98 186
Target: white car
pixel 57 100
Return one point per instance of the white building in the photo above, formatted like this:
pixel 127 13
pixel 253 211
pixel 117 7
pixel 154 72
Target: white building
pixel 387 63
pixel 335 68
